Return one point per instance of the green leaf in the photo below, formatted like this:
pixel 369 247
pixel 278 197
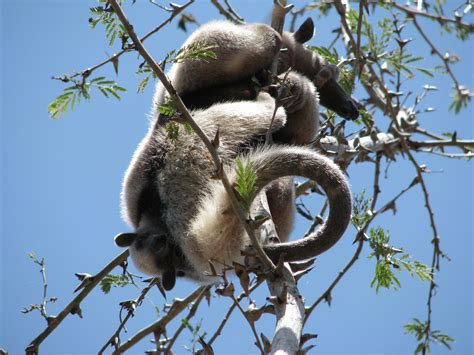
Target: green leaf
pixel 172 128
pixel 60 105
pixel 361 210
pixel 167 109
pixel 191 52
pixel 142 85
pixel 188 129
pixel 246 184
pixel 110 281
pixel 107 17
pixel 425 71
pixel 387 261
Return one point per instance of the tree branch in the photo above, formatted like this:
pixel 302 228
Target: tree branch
pixel 130 313
pixel 74 306
pixel 177 307
pixel 176 11
pixel 415 12
pixel 230 14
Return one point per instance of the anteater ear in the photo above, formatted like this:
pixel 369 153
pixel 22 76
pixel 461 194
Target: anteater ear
pixel 125 239
pixel 305 32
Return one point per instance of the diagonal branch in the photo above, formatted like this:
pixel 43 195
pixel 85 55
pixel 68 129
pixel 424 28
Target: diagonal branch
pixel 74 306
pixel 415 12
pixel 445 59
pixel 175 12
pixel 137 302
pixel 177 307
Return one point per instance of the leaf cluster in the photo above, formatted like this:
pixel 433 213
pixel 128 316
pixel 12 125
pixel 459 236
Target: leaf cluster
pixel 197 333
pixel 107 17
pixel 194 51
pixel 425 335
pixel 81 90
pixel 172 129
pixel 144 68
pixel 387 262
pixel 361 212
pixel 246 185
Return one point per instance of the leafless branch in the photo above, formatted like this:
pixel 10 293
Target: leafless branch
pixel 116 335
pixel 232 10
pixel 74 306
pixel 230 310
pixel 176 308
pixel 444 58
pixel 251 323
pixel 442 143
pixel 441 19
pixel 230 14
pixel 360 237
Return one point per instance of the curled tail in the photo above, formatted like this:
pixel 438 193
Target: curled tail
pixel 280 161
pixel 217 234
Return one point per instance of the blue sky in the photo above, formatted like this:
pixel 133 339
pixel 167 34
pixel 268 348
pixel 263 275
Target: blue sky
pixel 60 185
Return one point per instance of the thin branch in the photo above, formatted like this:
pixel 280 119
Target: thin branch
pixel 176 308
pixel 378 92
pixel 437 252
pixel 228 14
pixel 442 143
pixel 428 133
pixel 327 293
pixel 251 324
pixel 415 12
pixel 232 11
pixel 188 118
pixel 230 310
pixel 359 62
pixel 137 302
pixel 176 11
pixel 449 155
pixel 74 306
pixel 186 320
pixel 444 59
pixel 317 220
pixel 360 237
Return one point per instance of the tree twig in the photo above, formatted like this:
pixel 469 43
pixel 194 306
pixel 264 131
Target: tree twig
pixel 228 14
pixel 116 335
pixel 415 12
pixel 258 343
pixel 176 11
pixel 360 237
pixel 441 143
pixel 74 306
pixel 177 307
pixel 444 59
pixel 230 310
pixel 186 320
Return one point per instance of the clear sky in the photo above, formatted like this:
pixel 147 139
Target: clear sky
pixel 60 185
